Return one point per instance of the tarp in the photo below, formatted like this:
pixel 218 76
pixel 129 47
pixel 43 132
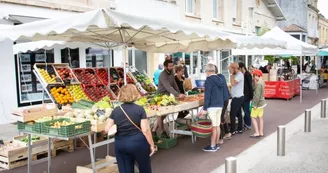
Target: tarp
pixel 144 33
pixel 323 52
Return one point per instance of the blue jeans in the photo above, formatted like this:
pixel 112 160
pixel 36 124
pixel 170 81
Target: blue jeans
pixel 131 149
pixel 247 111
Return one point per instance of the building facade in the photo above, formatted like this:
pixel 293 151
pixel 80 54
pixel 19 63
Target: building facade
pixel 302 19
pixel 323 31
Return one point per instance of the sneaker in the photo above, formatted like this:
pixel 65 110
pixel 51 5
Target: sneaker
pixel 211 149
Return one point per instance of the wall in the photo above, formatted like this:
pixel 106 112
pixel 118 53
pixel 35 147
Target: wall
pixel 295 12
pixel 323 30
pixel 8 93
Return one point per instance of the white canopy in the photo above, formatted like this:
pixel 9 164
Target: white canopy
pixel 48 45
pixel 294 46
pixel 144 33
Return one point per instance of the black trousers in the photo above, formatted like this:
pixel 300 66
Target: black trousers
pixel 224 125
pixel 131 149
pixel 236 105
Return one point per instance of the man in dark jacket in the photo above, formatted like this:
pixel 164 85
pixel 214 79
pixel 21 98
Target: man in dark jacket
pixel 213 104
pixel 248 95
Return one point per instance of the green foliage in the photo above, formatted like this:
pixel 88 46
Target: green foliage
pixel 270 58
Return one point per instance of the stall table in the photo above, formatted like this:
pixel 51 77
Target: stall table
pixel 282 89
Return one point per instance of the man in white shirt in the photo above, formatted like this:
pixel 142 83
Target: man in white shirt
pixel 237 94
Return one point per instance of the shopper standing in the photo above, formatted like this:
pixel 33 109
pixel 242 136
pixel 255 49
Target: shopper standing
pixel 133 140
pixel 226 97
pixel 213 103
pixel 248 95
pixel 157 73
pixel 237 93
pixel 258 105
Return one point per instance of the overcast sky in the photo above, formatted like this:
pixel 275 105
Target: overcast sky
pixel 322 6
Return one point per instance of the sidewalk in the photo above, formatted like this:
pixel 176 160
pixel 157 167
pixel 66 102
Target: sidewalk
pixel 305 153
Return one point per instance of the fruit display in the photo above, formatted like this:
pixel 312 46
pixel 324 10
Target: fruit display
pixel 145 81
pixel 120 72
pixel 103 91
pixel 163 100
pixel 114 74
pixel 115 89
pixel 83 104
pixel 195 91
pixel 79 73
pixel 58 124
pixel 77 92
pixel 103 75
pixel 192 98
pixel 48 74
pixel 66 75
pixel 44 119
pixel 61 95
pixel 92 93
pixel 92 76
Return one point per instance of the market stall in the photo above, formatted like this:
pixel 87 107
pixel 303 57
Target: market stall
pixel 115 29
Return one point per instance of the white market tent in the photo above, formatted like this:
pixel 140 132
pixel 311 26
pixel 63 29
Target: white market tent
pixel 295 47
pixel 144 33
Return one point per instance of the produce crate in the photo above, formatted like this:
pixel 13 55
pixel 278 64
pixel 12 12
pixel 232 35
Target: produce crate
pixel 166 143
pixel 102 73
pixel 42 144
pixel 112 168
pixel 62 145
pixel 104 91
pixel 65 131
pixel 30 114
pixel 50 70
pixel 115 89
pixel 91 75
pixel 129 79
pixel 14 156
pixel 80 75
pixel 62 67
pixel 91 92
pixel 75 94
pixel 29 126
pixel 57 101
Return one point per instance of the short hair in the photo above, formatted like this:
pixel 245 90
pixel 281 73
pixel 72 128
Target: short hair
pixel 210 68
pixel 128 94
pixel 242 65
pixel 178 68
pixel 216 69
pixel 167 62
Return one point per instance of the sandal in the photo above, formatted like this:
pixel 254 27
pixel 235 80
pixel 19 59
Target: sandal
pixel 227 137
pixel 235 132
pixel 262 136
pixel 255 136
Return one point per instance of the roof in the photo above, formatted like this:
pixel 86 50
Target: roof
pixel 294 28
pixel 275 9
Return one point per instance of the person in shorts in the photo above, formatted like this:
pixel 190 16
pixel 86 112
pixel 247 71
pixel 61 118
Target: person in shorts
pixel 258 105
pixel 213 103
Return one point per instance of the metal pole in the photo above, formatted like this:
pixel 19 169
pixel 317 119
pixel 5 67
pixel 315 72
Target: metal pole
pixel 231 165
pixel 307 122
pixel 281 140
pixel 29 152
pixel 49 155
pixel 323 108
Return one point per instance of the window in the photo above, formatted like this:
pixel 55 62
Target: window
pixel 257 30
pixel 234 11
pixel 71 56
pixel 97 57
pixel 216 9
pixel 190 6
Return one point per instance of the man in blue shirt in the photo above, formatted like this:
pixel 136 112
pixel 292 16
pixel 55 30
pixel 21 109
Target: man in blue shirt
pixel 158 73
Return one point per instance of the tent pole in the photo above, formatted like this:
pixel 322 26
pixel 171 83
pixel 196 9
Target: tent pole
pixel 122 33
pixel 301 82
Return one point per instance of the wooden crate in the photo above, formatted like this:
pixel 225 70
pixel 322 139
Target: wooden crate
pixel 112 168
pixel 164 110
pixel 13 158
pixel 83 141
pixel 35 150
pixel 30 114
pixel 62 145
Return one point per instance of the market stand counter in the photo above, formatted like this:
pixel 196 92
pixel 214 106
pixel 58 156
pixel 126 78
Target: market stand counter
pixel 282 89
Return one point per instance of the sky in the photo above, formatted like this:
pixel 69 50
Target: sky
pixel 322 6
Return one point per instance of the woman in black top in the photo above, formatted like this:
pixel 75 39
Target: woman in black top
pixel 133 140
pixel 179 79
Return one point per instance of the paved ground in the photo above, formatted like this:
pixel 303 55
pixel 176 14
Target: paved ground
pixel 187 157
pixel 305 152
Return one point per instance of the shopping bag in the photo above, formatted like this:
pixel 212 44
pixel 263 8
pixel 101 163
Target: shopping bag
pixel 187 84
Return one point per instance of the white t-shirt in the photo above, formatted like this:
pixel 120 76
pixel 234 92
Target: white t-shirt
pixel 238 89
